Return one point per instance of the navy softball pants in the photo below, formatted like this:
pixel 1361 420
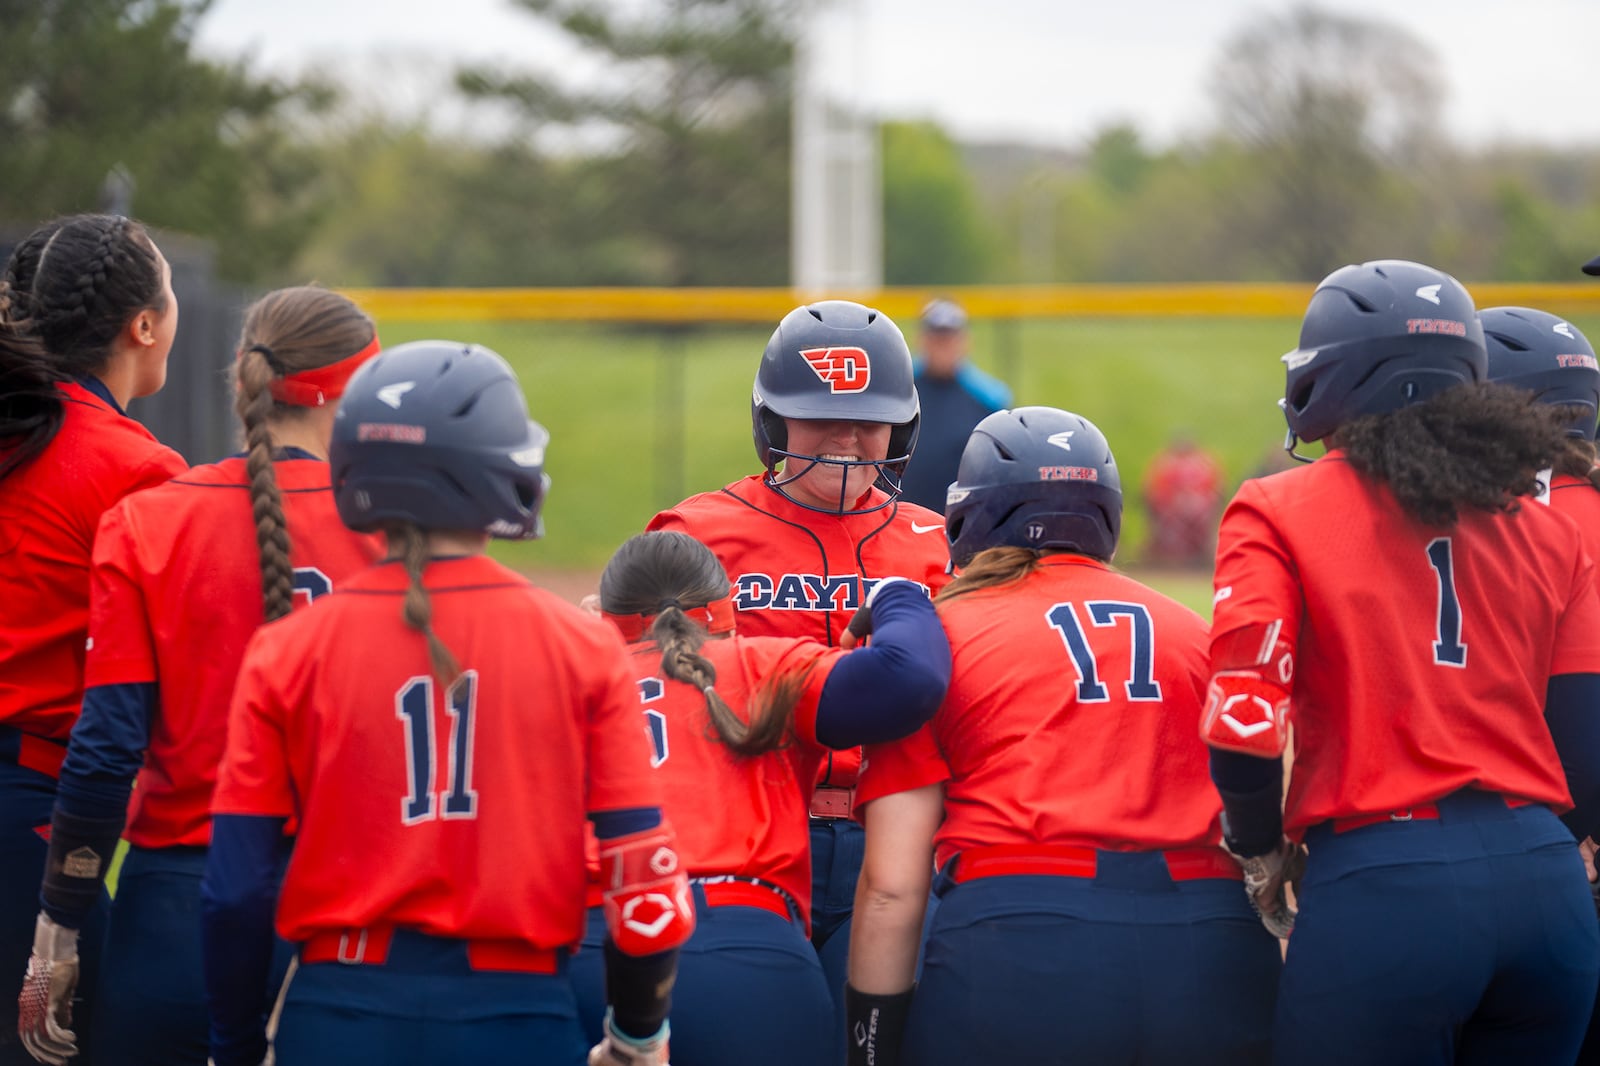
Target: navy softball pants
pixel 838 847
pixel 425 1006
pixel 1466 938
pixel 1127 967
pixel 27 798
pixel 750 990
pixel 152 993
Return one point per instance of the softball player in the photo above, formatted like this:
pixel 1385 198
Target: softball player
pixel 440 729
pixel 163 589
pixel 87 317
pixel 1550 357
pixel 834 415
pixel 739 728
pixel 1087 912
pixel 1437 647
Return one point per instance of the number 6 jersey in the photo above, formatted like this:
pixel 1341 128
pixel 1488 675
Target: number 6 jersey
pixel 1422 654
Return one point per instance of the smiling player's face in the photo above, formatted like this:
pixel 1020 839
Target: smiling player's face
pixel 820 483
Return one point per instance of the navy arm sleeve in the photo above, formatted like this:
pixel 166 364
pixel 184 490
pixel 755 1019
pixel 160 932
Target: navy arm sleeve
pixel 1572 711
pixel 1252 800
pixel 891 687
pixel 103 758
pixel 237 897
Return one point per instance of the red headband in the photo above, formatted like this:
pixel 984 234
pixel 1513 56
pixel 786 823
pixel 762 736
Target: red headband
pixel 716 617
pixel 321 385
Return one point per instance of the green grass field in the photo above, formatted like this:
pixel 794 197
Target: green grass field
pixel 619 452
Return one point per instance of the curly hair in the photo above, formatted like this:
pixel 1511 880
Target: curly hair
pixel 1474 447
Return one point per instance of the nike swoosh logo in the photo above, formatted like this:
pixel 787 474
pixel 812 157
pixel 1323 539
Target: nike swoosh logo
pixel 915 528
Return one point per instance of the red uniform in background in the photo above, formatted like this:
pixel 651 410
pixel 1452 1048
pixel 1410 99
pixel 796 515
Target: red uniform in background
pixel 49 511
pixel 1107 758
pixel 166 606
pixel 415 810
pixel 1579 500
pixel 1488 612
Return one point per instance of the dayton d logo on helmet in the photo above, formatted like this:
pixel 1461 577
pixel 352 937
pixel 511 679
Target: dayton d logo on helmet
pixel 844 369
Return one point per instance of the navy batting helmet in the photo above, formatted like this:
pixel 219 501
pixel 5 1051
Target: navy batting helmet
pixel 835 361
pixel 1547 355
pixel 1376 338
pixel 437 433
pixel 1035 477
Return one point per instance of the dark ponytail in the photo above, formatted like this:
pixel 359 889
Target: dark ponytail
pixel 659 574
pixel 67 291
pixel 1476 447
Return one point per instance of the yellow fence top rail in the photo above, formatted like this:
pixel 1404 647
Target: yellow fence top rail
pixel 990 301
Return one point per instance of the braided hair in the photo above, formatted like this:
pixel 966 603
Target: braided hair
pixel 664 572
pixel 285 331
pixel 66 293
pixel 410 543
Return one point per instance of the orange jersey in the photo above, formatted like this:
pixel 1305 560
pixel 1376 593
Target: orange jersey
pixel 734 815
pixel 176 594
pixel 459 814
pixel 1072 718
pixel 49 511
pixel 1422 655
pixel 802 573
pixel 1579 500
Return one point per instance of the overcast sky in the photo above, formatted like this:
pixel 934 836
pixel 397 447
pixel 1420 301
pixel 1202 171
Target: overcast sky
pixel 1042 71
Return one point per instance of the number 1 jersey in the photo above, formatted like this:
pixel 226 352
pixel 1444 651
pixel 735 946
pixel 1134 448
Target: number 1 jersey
pixel 1422 654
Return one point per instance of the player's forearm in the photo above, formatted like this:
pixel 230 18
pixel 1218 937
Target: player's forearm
pixel 103 758
pixel 1252 800
pixel 1571 702
pixel 892 893
pixel 238 895
pixel 888 689
pixel 884 933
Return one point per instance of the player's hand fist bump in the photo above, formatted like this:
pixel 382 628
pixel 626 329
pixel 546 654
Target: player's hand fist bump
pixel 620 1049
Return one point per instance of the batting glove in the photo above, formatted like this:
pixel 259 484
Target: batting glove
pixel 44 1009
pixel 1266 880
pixel 620 1049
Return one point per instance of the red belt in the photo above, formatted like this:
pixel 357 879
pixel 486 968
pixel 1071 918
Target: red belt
pixel 1070 860
pixel 1422 813
pixel 747 894
pixel 370 947
pixel 39 754
pixel 829 801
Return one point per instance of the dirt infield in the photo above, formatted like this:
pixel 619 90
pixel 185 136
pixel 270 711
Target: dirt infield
pixel 570 585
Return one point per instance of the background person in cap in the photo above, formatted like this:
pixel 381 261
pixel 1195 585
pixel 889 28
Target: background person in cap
pixel 955 397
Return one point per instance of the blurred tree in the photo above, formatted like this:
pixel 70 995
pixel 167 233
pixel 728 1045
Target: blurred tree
pixel 93 87
pixel 694 122
pixel 1323 102
pixel 933 233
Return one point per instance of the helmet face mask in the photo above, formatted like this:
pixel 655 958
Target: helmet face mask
pixel 1548 356
pixel 436 434
pixel 1039 478
pixel 1375 338
pixel 834 361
